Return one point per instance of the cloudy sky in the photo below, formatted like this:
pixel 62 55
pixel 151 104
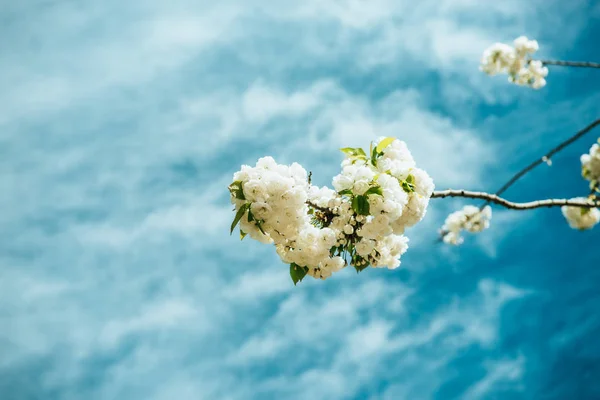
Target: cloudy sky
pixel 121 124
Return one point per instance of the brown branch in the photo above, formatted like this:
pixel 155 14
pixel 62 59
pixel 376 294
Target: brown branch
pixel 545 158
pixel 493 198
pixel 318 208
pixel 580 64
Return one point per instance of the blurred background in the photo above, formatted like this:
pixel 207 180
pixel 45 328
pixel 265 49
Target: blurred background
pixel 121 124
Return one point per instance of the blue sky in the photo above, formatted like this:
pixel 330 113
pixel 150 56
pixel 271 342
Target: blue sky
pixel 121 124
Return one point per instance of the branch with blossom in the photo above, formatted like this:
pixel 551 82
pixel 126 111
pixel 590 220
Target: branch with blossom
pixel 493 198
pixel 378 195
pixel 579 64
pixel 461 220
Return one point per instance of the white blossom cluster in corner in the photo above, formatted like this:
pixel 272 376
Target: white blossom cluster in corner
pixel 318 230
pixel 470 218
pixel 590 165
pixel 586 218
pixel 514 61
pixel 581 218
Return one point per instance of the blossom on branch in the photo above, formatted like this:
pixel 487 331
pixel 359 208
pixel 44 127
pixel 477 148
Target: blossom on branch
pixel 470 218
pixel 513 60
pixel 590 165
pixel 581 218
pixel 318 230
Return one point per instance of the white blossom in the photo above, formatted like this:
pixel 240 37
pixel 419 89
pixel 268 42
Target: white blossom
pixel 318 230
pixel 590 164
pixel 469 218
pixel 514 61
pixel 581 218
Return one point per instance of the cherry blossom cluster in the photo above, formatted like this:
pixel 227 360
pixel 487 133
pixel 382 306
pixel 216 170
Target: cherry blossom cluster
pixel 470 218
pixel 590 165
pixel 586 218
pixel 318 230
pixel 581 218
pixel 514 61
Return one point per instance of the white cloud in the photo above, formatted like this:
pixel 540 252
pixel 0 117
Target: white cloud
pixel 169 314
pixel 501 371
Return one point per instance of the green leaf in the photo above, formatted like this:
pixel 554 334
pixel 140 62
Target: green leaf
pixel 407 186
pixel 297 272
pixel 260 228
pixel 365 206
pixel 353 151
pixel 242 234
pixel 237 190
pixel 584 210
pixel 354 204
pixel 238 216
pixel 374 155
pixel 360 268
pixel 252 218
pixel 360 205
pixel 354 159
pixel 385 143
pixel 410 179
pixel 345 192
pixel 374 190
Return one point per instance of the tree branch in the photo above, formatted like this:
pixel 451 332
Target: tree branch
pixel 545 158
pixel 580 64
pixel 318 208
pixel 493 198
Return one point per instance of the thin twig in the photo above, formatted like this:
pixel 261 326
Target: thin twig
pixel 493 198
pixel 318 208
pixel 544 158
pixel 580 64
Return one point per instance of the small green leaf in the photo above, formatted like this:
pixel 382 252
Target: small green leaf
pixel 355 206
pixel 365 206
pixel 353 152
pixel 358 259
pixel 359 157
pixel 260 228
pixel 351 248
pixel 235 185
pixel 374 155
pixel 410 179
pixel 407 187
pixel 237 190
pixel 250 215
pixel 374 190
pixel 584 210
pixel 360 205
pixel 360 268
pixel 238 216
pixel 242 234
pixel 345 192
pixel 385 143
pixel 297 272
